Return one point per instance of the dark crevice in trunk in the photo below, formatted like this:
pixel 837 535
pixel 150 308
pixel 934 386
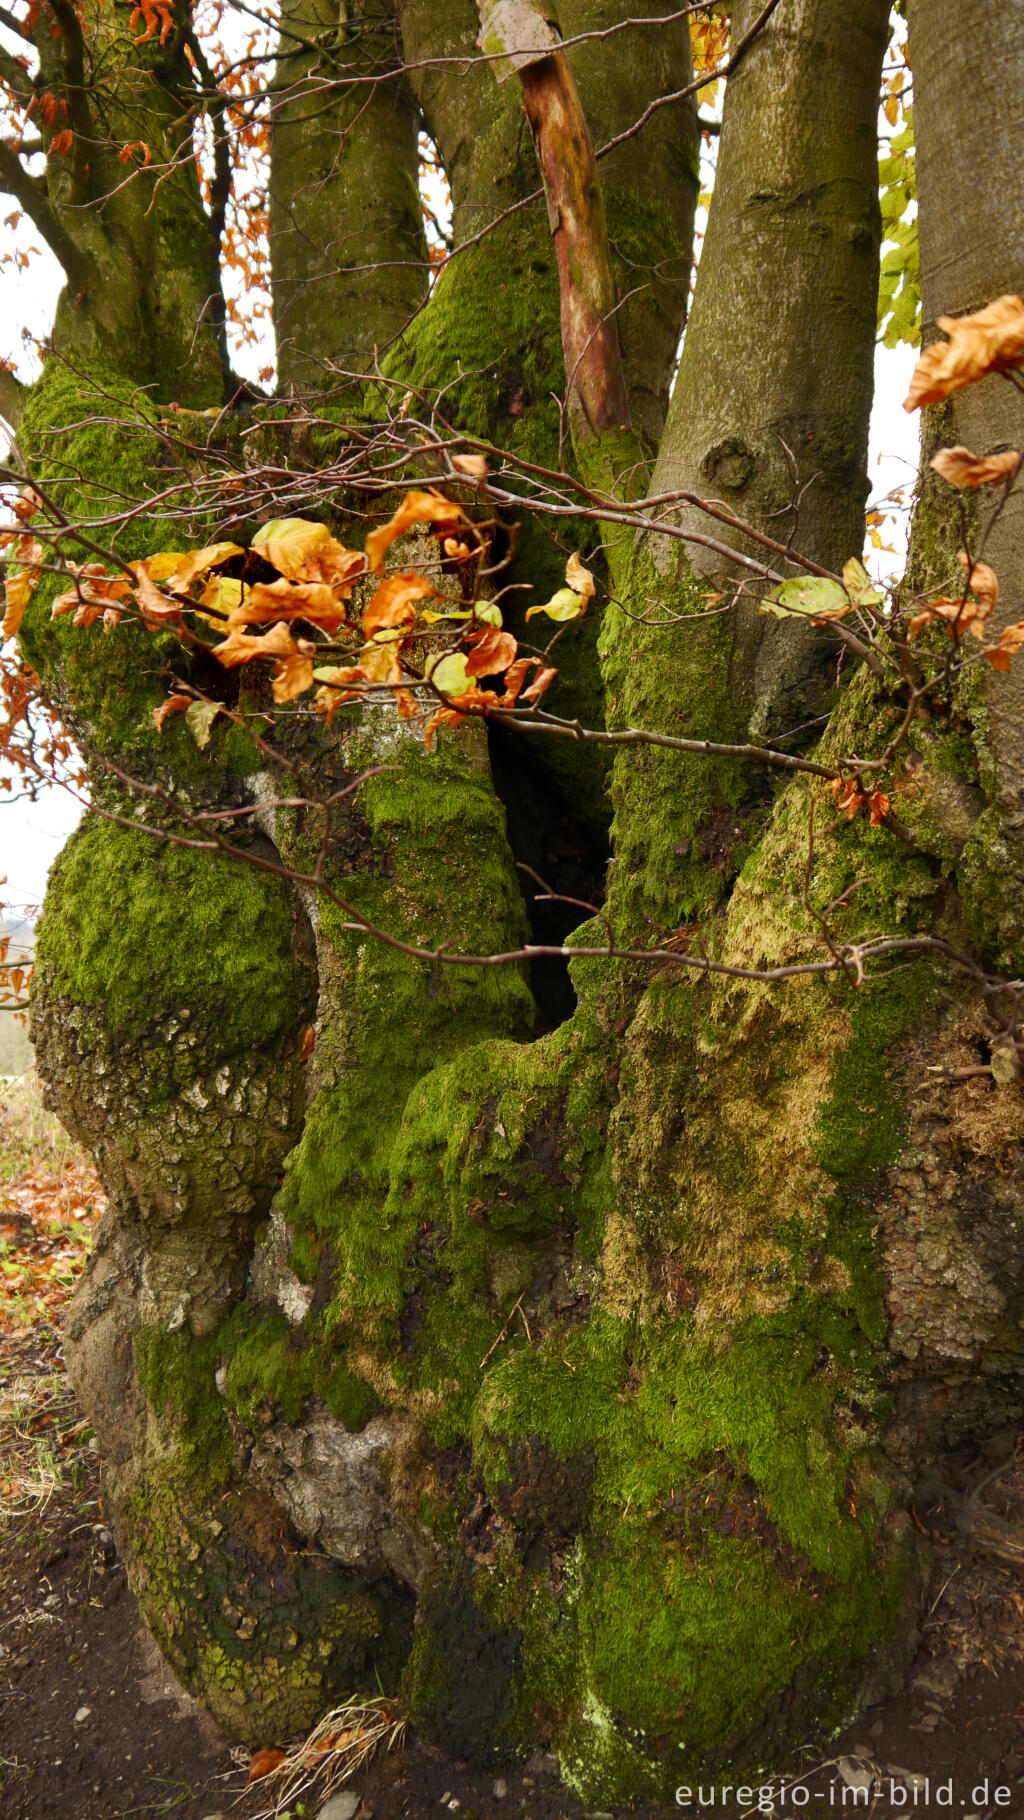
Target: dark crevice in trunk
pixel 554 836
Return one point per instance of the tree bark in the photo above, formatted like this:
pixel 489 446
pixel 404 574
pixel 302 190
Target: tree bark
pixel 966 103
pixel 348 255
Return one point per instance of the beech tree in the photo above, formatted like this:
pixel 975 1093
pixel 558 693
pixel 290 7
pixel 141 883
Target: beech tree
pixel 540 972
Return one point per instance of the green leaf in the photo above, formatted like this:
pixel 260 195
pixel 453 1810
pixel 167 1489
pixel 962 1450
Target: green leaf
pixel 859 585
pixel 449 674
pixel 808 597
pixel 199 719
pixel 564 605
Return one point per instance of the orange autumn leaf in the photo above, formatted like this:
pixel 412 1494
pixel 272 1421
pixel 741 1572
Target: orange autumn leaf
pixel 540 684
pixel 989 341
pixel 295 675
pixel 335 690
pixel 416 508
pixel 962 469
pixel 515 676
pixel 308 1043
pixel 878 803
pixel 1011 639
pixel 173 705
pixel 392 605
pixel 61 143
pixel 473 466
pixel 445 717
pixel 194 563
pixel 312 600
pixel 294 672
pixel 241 647
pixel 17 594
pixel 579 579
pixel 848 796
pixel 303 551
pixel 157 15
pixel 982 581
pixel 962 616
pixel 93 594
pixel 154 605
pixel 492 652
pixel 264 1762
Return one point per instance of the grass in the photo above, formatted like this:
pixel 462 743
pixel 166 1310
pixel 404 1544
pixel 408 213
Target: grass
pixel 342 1743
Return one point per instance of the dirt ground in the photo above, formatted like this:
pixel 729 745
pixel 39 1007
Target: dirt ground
pixel 93 1726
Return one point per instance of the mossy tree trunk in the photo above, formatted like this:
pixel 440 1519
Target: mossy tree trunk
pixel 588 1349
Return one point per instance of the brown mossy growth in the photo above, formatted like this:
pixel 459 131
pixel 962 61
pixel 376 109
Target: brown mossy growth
pixel 950 1227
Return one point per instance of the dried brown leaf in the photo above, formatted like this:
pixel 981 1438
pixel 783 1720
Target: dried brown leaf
pixel 962 469
pixel 989 341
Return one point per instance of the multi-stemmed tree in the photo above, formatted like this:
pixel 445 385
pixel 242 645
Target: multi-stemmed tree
pixel 557 1089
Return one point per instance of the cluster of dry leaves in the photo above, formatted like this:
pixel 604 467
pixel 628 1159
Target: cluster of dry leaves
pixel 298 580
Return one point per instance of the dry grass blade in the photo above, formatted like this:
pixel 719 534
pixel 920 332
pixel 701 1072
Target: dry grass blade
pixel 343 1742
pixel 36 1415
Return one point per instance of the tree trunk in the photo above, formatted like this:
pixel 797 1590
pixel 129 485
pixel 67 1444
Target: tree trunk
pixel 571 1378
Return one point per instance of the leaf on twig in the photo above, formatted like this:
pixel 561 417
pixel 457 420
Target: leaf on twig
pixel 962 616
pixel 473 466
pixel 416 508
pixel 981 580
pixel 1011 638
pixel 303 551
pixel 17 594
pixel 294 672
pixel 172 705
pixel 962 469
pixel 811 597
pixel 270 601
pixel 989 341
pixel 492 652
pixel 393 603
pixel 859 585
pixel 571 601
pixel 199 718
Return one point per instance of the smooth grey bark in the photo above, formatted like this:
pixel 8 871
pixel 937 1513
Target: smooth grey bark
pixel 778 349
pixel 969 121
pixel 349 260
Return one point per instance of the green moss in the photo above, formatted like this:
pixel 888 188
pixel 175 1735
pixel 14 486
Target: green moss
pixel 688 1624
pixel 675 833
pixel 137 928
pixel 273 1367
pixel 176 1373
pixel 267 1637
pixel 860 1128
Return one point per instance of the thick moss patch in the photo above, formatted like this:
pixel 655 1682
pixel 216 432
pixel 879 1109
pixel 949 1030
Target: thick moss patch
pixel 135 928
